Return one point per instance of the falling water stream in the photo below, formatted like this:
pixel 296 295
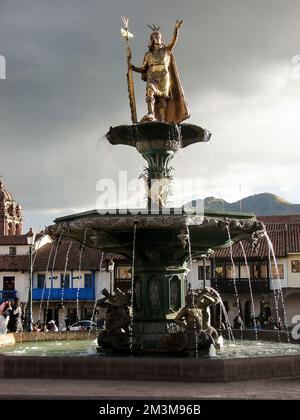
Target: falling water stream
pixel 45 282
pixel 44 286
pixel 79 274
pixel 193 301
pixel 220 306
pixel 52 270
pixel 223 310
pixel 279 288
pixel 98 291
pixel 63 284
pixel 31 268
pixel 234 275
pixel 250 289
pixel 132 290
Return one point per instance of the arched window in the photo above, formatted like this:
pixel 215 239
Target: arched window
pixel 10 229
pixel 18 229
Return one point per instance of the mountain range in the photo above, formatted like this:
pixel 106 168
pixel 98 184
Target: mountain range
pixel 264 204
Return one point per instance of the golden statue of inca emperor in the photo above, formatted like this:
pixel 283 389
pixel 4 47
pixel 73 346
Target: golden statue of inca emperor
pixel 164 94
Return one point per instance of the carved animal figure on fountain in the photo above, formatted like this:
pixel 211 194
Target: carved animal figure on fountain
pixel 190 317
pixel 117 317
pixel 206 298
pixel 194 319
pixel 116 334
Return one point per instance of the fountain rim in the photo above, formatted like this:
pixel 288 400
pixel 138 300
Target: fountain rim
pixel 167 211
pixel 151 368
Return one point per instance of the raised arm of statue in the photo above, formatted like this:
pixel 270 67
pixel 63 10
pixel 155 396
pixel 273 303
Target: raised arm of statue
pixel 179 318
pixel 102 303
pixel 171 45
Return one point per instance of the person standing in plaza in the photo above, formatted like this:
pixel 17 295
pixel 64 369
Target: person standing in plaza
pixel 15 317
pixel 4 316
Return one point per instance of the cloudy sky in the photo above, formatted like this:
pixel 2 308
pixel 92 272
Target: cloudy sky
pixel 239 65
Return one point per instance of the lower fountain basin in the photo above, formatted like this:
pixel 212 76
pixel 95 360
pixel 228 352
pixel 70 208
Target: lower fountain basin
pixel 266 361
pixel 80 348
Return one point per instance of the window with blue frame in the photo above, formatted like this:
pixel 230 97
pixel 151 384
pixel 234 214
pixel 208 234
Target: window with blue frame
pixel 65 281
pixel 41 278
pixel 88 280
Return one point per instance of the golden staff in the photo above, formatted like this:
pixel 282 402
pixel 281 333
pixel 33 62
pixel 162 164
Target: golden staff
pixel 126 34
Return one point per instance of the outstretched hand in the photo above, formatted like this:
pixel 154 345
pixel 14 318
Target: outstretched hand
pixel 178 23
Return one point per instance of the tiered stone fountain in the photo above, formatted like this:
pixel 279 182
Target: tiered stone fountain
pixel 161 239
pixel 158 315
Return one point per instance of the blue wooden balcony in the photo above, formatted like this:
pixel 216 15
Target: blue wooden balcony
pixel 67 294
pixel 7 294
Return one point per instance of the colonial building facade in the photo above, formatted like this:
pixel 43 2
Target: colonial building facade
pixel 68 278
pixel 275 286
pixel 11 220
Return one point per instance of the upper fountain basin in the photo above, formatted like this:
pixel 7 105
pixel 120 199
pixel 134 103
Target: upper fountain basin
pixel 113 230
pixel 157 135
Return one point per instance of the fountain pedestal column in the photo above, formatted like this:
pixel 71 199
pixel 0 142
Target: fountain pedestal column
pixel 158 293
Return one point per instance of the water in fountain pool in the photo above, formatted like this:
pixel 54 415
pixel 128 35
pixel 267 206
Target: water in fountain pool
pixel 81 348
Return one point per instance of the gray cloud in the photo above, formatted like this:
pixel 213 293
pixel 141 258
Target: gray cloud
pixel 66 85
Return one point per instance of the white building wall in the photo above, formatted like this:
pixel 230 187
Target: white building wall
pixel 24 249
pixel 78 278
pixel 192 275
pixel 293 278
pixel 292 305
pixel 41 242
pixel 275 283
pixel 21 283
pixel 21 249
pixel 102 281
pixel 56 278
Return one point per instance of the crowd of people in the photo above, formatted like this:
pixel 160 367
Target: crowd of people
pixel 259 323
pixel 12 320
pixel 10 316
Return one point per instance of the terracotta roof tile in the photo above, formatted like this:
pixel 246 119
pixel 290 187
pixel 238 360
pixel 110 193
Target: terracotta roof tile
pixel 90 259
pixel 14 263
pixel 16 239
pixel 284 232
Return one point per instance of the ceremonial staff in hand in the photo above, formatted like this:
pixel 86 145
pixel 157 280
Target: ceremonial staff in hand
pixel 126 34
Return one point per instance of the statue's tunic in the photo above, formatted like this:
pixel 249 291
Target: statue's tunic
pixel 157 65
pixel 160 72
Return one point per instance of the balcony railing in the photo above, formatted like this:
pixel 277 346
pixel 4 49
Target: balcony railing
pixel 67 294
pixel 242 285
pixel 8 294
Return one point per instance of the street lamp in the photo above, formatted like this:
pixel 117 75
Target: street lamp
pixel 110 269
pixel 30 242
